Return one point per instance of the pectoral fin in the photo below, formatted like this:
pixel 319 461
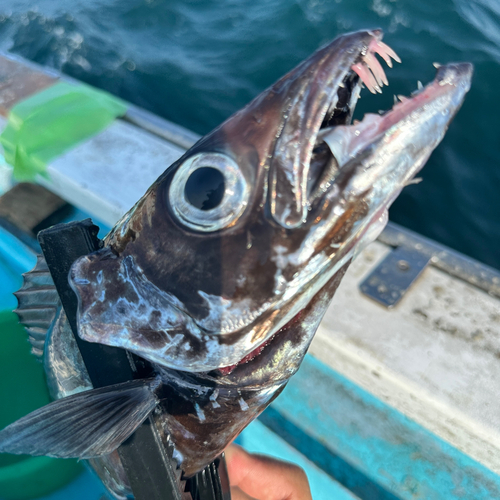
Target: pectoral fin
pixel 84 425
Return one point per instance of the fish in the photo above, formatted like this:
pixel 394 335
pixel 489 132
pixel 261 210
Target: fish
pixel 220 275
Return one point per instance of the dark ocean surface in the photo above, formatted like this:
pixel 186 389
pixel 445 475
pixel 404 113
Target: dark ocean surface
pixel 196 62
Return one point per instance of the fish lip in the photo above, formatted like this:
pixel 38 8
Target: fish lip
pixel 455 73
pixel 309 106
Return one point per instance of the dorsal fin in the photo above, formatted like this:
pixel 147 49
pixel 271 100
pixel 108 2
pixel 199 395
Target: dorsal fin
pixel 37 304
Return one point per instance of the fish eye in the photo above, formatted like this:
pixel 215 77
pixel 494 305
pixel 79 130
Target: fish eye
pixel 205 188
pixel 208 192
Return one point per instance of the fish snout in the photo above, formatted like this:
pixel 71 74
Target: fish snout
pixel 455 74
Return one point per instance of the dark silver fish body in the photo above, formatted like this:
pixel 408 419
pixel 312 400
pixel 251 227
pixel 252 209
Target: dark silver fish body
pixel 198 412
pixel 222 272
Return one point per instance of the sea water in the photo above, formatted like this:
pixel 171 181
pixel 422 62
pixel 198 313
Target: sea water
pixel 196 62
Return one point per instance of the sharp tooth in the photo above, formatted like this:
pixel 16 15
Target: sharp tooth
pixel 416 180
pixel 436 65
pixel 402 98
pixel 366 76
pixel 419 85
pixel 395 99
pixel 341 85
pixel 384 51
pixel 375 67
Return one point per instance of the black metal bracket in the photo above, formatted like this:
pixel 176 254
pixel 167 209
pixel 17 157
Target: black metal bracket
pixel 150 469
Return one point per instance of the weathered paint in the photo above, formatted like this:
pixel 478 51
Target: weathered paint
pixel 20 80
pixel 376 441
pixel 434 357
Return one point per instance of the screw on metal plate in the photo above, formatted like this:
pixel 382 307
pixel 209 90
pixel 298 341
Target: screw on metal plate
pixel 391 279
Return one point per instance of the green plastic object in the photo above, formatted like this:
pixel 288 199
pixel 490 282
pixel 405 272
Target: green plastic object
pixel 22 390
pixel 50 122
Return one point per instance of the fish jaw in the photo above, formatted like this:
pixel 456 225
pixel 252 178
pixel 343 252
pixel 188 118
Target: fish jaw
pixel 380 155
pixel 302 99
pixel 200 289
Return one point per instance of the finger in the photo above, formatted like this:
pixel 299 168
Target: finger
pixel 264 477
pixel 237 494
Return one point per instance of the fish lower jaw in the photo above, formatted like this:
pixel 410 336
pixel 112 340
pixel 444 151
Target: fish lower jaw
pixel 345 142
pixel 301 297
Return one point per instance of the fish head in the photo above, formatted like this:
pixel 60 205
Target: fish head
pixel 251 228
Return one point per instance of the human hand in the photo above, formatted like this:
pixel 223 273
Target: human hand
pixel 257 477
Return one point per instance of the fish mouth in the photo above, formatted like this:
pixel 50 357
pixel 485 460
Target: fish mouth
pixel 323 161
pixel 362 165
pixel 326 88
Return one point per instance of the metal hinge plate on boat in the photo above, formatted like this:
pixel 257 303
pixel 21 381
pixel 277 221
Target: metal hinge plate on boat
pixel 391 279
